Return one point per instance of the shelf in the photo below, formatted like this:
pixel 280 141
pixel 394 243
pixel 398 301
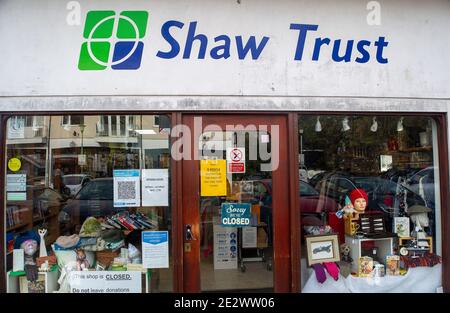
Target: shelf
pixel 40 219
pixel 412 149
pixel 16 227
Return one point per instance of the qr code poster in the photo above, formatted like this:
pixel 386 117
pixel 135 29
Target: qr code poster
pixel 127 188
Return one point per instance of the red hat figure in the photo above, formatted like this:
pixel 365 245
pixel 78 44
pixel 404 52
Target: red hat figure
pixel 359 199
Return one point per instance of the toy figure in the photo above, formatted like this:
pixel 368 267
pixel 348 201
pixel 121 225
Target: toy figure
pixel 82 262
pixel 345 251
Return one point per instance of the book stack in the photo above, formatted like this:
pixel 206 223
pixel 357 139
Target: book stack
pixel 131 221
pixel 13 216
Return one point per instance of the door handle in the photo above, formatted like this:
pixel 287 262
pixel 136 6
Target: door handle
pixel 189 236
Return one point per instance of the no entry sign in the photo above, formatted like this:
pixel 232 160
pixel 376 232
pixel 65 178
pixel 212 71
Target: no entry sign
pixel 236 160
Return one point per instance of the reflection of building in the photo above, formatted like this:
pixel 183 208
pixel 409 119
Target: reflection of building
pixel 93 145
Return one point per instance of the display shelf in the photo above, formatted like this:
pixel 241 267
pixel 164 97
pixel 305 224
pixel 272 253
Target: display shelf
pixel 47 217
pixel 385 246
pixel 15 227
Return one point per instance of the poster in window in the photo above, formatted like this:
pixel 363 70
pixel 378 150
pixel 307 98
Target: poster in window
pixel 155 187
pixel 16 128
pixel 127 188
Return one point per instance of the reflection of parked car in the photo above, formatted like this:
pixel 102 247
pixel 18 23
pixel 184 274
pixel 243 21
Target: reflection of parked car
pixel 75 182
pixel 46 202
pixel 322 249
pixel 382 193
pixel 94 199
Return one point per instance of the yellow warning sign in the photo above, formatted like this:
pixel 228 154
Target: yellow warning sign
pixel 14 164
pixel 213 178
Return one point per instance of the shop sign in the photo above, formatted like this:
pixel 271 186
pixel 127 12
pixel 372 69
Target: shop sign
pixel 236 160
pixel 127 188
pixel 155 187
pixel 105 282
pixel 225 247
pixel 235 214
pixel 14 164
pixel 213 178
pixel 155 249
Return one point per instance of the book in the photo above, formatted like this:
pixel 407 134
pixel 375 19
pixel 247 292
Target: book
pixel 365 266
pixel 393 265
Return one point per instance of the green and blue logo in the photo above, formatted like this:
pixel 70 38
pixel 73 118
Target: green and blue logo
pixel 113 40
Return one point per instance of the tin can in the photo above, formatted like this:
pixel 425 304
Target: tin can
pixel 378 270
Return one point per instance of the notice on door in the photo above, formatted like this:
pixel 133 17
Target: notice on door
pixel 16 182
pixel 213 178
pixel 236 160
pixel 105 282
pixel 249 237
pixel 155 249
pixel 235 214
pixel 127 187
pixel 155 187
pixel 225 248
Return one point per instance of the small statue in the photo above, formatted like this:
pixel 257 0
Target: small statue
pixel 345 251
pixel 42 249
pixel 82 262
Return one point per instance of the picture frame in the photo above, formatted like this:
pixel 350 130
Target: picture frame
pixel 322 248
pixel 402 226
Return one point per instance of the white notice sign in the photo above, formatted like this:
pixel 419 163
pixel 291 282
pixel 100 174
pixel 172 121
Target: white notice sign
pixel 225 247
pixel 155 249
pixel 249 237
pixel 155 187
pixel 105 282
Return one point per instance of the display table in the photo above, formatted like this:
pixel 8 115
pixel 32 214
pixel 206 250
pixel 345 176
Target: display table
pixel 417 280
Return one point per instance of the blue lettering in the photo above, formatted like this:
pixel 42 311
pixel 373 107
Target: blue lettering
pixel 365 56
pixel 380 44
pixel 250 46
pixel 175 47
pixel 348 51
pixel 190 39
pixel 225 48
pixel 303 29
pixel 318 44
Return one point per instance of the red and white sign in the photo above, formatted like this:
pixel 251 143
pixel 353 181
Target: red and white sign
pixel 236 160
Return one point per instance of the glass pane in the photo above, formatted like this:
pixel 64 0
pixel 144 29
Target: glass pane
pixel 236 257
pixel 375 189
pixel 64 182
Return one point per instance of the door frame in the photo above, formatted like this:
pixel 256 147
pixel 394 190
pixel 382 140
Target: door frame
pixel 285 186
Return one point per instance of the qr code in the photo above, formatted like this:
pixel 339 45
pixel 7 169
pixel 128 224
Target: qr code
pixel 126 190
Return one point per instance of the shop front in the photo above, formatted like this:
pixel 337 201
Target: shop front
pixel 161 149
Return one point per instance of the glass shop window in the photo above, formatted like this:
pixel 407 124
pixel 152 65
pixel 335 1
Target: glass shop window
pixel 88 195
pixel 369 201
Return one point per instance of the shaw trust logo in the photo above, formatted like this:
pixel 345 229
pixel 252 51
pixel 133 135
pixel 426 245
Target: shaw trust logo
pixel 113 40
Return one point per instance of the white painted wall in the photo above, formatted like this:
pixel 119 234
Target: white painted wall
pixel 40 51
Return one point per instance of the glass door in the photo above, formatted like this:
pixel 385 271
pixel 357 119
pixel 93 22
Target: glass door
pixel 234 205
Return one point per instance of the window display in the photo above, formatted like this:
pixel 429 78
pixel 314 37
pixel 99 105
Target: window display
pixel 380 173
pixel 75 215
